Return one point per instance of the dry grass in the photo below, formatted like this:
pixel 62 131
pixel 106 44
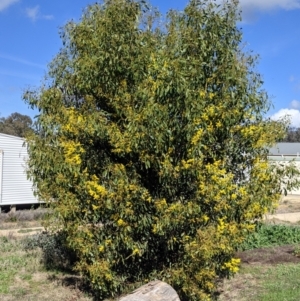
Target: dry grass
pixel 242 287
pixel 44 286
pixel 23 276
pixel 263 283
pixel 22 218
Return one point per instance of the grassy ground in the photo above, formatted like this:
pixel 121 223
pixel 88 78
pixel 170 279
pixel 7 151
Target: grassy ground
pixel 266 274
pixel 257 281
pixel 269 272
pixel 280 282
pixel 270 267
pixel 23 276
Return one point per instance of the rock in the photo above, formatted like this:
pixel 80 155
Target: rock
pixel 153 291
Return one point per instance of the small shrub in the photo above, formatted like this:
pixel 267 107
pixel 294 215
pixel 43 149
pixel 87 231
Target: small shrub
pixel 297 251
pixel 3 240
pixel 11 217
pixel 55 252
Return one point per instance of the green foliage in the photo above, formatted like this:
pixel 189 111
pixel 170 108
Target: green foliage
pixel 152 145
pixel 271 235
pixel 16 124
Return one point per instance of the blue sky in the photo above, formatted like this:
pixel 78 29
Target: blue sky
pixel 30 39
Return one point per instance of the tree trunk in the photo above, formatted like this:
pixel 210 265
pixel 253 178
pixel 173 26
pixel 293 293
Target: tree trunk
pixel 153 291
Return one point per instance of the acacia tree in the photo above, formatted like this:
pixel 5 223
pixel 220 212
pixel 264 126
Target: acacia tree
pixel 153 153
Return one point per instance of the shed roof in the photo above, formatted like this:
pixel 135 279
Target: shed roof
pixel 285 148
pixel 11 136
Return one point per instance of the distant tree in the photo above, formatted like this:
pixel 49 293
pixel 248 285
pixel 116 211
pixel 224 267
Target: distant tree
pixel 16 124
pixel 292 135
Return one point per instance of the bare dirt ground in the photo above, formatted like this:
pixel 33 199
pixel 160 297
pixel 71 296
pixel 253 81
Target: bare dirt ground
pixel 287 211
pixel 289 204
pixel 269 256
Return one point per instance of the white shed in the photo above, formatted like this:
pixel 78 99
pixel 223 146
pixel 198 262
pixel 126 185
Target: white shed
pixel 15 188
pixel 285 152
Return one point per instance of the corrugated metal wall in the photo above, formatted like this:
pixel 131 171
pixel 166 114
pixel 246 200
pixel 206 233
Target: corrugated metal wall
pixel 16 189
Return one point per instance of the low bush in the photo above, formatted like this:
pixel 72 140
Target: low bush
pixel 56 255
pixel 272 235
